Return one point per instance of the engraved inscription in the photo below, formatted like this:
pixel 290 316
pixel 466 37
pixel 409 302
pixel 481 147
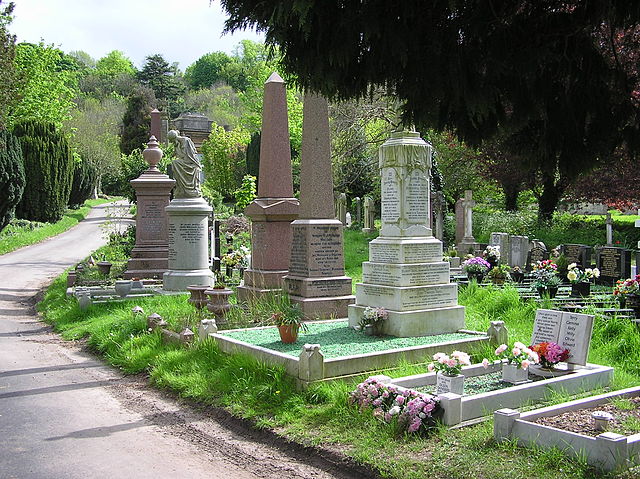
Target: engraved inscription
pixel 390 197
pixel 384 253
pixel 546 326
pixel 417 197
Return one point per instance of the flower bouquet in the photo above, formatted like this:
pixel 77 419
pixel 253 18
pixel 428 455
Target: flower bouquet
pixel 373 317
pixel 550 354
pixel 519 358
pixel 448 368
pixel 476 267
pixel 581 280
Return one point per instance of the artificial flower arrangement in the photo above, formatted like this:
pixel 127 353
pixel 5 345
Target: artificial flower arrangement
pixel 519 355
pixel 544 273
pixel 373 316
pixel 625 287
pixel 236 257
pixel 414 412
pixel 475 265
pixel 576 275
pixel 449 365
pixel 492 253
pixel 550 353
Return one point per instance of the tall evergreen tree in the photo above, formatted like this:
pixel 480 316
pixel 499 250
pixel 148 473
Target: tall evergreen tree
pixel 137 120
pixel 48 162
pixel 163 79
pixel 12 178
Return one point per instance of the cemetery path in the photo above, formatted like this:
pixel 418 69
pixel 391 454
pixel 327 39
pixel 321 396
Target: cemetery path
pixel 65 414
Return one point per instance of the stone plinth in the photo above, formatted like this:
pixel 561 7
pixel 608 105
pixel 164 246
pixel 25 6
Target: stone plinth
pixel 316 279
pixel 405 273
pixel 194 125
pixel 149 257
pixel 275 207
pixel 188 245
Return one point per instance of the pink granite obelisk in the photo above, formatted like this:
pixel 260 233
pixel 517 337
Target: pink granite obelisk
pixel 149 257
pixel 275 207
pixel 316 279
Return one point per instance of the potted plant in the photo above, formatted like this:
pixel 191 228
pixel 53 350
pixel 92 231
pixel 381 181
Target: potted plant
pixel 218 299
pixel 476 268
pixel 500 273
pixel 518 359
pixel 546 280
pixel 626 292
pixel 549 354
pixel 581 280
pixel 372 320
pixel 289 322
pixel 448 371
pixel 517 274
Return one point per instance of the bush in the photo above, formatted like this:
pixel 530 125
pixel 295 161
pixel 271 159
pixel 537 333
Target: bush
pixel 84 179
pixel 49 161
pixel 12 179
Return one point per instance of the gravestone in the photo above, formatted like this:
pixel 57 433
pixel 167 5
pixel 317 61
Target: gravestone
pixel 609 226
pixel 465 241
pixel 569 330
pixel 316 279
pixel 150 255
pixel 405 273
pixel 577 253
pixel 504 242
pixel 275 207
pixel 613 263
pixel 369 215
pixel 156 123
pixel 194 125
pixel 341 208
pixel 538 252
pixel 188 222
pixel 357 204
pixel 519 250
pixel 347 220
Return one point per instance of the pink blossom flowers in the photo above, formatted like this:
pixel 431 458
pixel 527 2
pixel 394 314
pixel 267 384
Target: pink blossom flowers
pixel 519 354
pixel 449 365
pixel 413 411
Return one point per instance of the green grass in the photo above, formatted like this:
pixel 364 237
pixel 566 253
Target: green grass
pixel 12 238
pixel 321 415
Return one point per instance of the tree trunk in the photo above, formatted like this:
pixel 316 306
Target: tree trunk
pixel 549 199
pixel 511 193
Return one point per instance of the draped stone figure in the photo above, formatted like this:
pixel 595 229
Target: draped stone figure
pixel 186 167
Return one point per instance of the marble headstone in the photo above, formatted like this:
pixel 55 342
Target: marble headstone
pixel 569 330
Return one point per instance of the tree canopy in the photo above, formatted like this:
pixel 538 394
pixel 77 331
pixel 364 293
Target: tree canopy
pixel 539 73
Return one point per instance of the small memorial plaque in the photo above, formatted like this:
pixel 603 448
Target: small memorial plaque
pixel 569 330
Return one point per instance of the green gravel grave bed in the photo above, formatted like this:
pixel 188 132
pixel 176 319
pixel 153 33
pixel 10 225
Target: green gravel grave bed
pixel 336 339
pixel 480 384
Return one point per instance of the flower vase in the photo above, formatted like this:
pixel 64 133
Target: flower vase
pixel 449 384
pixel 218 301
pixel 477 276
pixel 550 291
pixel 512 373
pixel 633 302
pixel 517 276
pixel 104 267
pixel 123 287
pixel 288 333
pixel 580 290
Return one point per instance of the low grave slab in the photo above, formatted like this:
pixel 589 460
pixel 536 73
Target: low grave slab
pixel 608 451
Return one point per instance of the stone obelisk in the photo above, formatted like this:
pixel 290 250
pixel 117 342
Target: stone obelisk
pixel 275 207
pixel 149 257
pixel 405 273
pixel 316 279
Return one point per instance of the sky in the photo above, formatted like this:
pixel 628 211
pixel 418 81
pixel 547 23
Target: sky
pixel 181 30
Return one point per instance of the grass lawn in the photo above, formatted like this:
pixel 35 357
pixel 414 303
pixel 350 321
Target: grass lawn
pixel 12 237
pixel 322 415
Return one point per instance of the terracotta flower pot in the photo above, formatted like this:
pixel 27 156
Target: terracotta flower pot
pixel 288 333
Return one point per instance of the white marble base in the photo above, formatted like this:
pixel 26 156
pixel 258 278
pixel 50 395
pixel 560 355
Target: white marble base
pixel 405 250
pixel 178 280
pixel 407 298
pixel 424 322
pixel 405 274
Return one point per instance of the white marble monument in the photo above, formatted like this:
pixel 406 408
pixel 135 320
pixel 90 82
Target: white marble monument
pixel 405 273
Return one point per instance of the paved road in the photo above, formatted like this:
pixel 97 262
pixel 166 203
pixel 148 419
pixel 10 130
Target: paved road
pixel 64 414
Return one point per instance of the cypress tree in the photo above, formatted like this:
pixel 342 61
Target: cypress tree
pixel 49 163
pixel 12 178
pixel 84 178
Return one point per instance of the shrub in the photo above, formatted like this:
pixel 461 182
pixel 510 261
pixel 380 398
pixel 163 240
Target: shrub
pixel 49 161
pixel 84 179
pixel 12 179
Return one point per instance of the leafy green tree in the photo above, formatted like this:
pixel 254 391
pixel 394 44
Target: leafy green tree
pixel 220 104
pixel 48 91
pixel 12 179
pixel 224 160
pixel 114 64
pixel 84 60
pixel 49 161
pixel 207 70
pixel 535 72
pixel 9 74
pixel 163 79
pixel 137 120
